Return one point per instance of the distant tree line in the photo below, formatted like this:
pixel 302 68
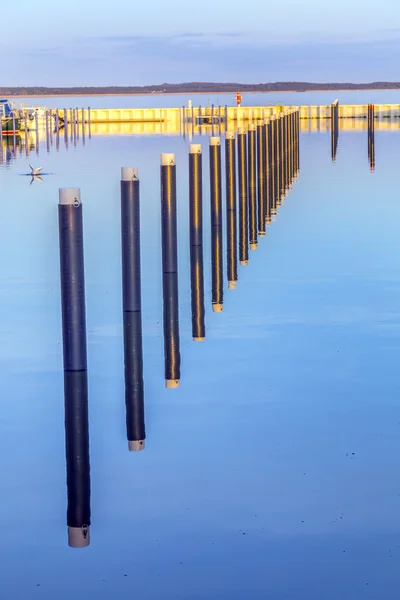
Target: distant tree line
pixel 192 87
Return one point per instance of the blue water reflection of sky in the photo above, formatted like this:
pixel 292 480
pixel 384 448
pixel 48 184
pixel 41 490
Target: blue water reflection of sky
pixel 272 470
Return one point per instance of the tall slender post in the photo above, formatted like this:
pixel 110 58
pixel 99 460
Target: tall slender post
pixel 170 271
pixel 72 123
pixel 65 116
pixel 371 136
pixel 89 122
pixel 231 227
pixel 14 126
pixel 25 134
pixel 47 131
pixel 260 177
pixel 243 197
pixel 37 131
pixel 75 366
pixel 196 242
pixel 216 224
pixel 132 308
pixel 252 176
pixel 77 122
pixel 268 170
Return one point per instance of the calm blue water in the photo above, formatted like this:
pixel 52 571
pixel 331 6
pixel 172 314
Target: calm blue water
pixel 273 470
pixel 171 100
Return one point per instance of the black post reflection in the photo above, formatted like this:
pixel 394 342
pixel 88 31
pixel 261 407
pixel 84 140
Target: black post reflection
pixel 371 137
pixel 170 271
pixel 334 129
pixel 196 242
pixel 132 308
pixel 77 457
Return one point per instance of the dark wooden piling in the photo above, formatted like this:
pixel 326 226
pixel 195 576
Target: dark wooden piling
pixel 75 366
pixel 216 224
pixel 243 197
pixel 170 271
pixel 252 189
pixel 261 177
pixel 196 242
pixel 132 308
pixel 231 218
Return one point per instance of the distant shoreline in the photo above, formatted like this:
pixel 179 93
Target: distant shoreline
pixel 209 93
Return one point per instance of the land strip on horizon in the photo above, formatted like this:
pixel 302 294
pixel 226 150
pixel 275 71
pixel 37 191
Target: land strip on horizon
pixel 194 88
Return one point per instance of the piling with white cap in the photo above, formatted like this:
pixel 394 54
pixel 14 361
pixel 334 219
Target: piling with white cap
pixel 260 177
pixel 170 271
pixel 132 308
pixel 216 223
pixel 196 242
pixel 252 192
pixel 243 196
pixel 75 366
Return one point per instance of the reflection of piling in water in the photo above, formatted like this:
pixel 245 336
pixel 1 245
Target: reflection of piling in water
pixel 267 171
pixel 83 126
pixel 334 129
pixel 47 131
pixel 252 176
pixel 243 197
pixel 217 269
pixel 260 177
pixel 196 242
pixel 371 136
pixel 197 293
pixel 132 308
pixel 75 366
pixel 230 168
pixel 216 224
pixel 170 270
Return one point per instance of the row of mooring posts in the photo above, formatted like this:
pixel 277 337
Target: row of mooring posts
pixel 371 136
pixel 279 166
pixel 334 129
pixel 72 125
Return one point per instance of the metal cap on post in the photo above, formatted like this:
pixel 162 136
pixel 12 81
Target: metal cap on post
pixel 68 196
pixel 136 446
pixel 167 160
pixel 215 141
pixel 218 308
pixel 195 149
pixel 129 174
pixel 79 537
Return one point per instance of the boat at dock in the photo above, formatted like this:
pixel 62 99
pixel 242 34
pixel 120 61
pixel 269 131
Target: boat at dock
pixel 10 120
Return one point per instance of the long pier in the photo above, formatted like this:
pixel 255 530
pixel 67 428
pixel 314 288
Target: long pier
pixel 218 114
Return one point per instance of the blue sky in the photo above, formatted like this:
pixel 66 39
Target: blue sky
pixel 88 42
